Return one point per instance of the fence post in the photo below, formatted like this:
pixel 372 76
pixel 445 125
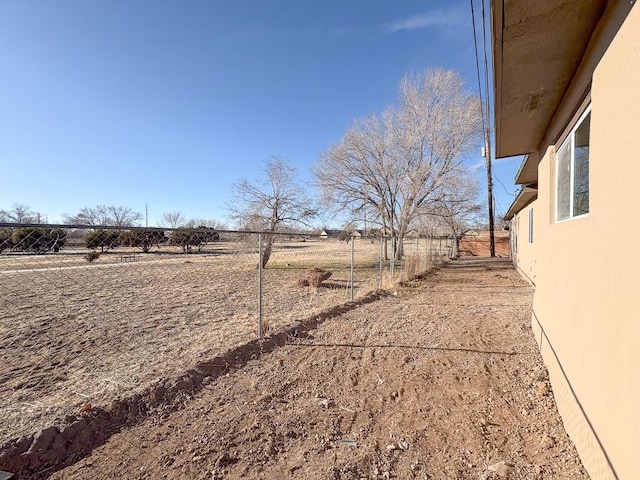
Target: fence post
pixel 381 261
pixel 353 241
pixel 392 261
pixel 260 287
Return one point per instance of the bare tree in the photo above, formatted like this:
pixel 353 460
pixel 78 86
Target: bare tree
pixel 173 219
pixel 206 223
pixel 124 216
pixel 19 214
pixel 105 215
pixel 273 201
pixel 399 163
pixel 458 207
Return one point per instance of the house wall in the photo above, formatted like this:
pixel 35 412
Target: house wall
pixel 587 299
pixel 523 253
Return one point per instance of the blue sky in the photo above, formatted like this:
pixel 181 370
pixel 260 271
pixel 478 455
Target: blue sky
pixel 168 103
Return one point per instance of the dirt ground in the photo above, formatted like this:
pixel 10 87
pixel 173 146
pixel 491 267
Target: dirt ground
pixel 441 380
pixel 73 334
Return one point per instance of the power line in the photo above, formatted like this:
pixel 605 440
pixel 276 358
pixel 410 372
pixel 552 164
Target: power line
pixel 486 80
pixel 475 45
pixel 486 65
pixel 500 182
pixel 485 125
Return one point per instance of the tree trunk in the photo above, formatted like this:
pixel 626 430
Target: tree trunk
pixel 384 238
pixel 402 231
pixel 266 248
pixel 456 244
pixel 399 253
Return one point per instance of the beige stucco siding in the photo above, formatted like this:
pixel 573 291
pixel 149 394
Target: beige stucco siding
pixel 587 273
pixel 616 181
pixel 524 256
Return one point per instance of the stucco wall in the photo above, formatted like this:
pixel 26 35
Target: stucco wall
pixel 525 254
pixel 587 299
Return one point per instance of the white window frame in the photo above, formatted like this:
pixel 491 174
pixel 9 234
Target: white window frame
pixel 530 236
pixel 569 140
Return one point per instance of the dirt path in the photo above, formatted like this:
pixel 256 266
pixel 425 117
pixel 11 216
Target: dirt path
pixel 442 381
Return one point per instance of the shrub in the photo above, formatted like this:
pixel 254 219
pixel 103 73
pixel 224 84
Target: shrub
pixel 103 239
pixel 39 240
pixel 6 243
pixel 143 239
pixel 188 237
pixel 345 236
pixel 91 256
pixel 314 277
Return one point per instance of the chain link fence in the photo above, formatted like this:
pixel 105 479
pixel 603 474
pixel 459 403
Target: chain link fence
pixel 89 315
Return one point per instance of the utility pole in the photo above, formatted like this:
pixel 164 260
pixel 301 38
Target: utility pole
pixel 487 156
pixel 146 215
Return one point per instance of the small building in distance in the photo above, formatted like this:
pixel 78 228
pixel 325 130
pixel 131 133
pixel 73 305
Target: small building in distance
pixel 333 233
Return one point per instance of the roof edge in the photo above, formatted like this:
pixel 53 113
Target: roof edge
pixel 527 194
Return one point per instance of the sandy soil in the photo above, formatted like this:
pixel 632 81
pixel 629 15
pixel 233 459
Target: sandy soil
pixel 441 381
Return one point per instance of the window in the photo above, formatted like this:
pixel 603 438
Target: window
pixel 531 225
pixel 572 172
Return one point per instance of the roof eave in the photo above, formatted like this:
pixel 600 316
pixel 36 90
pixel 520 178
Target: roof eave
pixel 526 195
pixel 534 64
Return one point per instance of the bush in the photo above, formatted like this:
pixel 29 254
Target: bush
pixel 345 236
pixel 193 237
pixel 91 256
pixel 39 240
pixel 196 237
pixel 6 243
pixel 314 277
pixel 103 239
pixel 143 239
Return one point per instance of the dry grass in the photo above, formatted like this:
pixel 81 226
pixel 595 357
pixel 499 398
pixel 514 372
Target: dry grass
pixel 412 267
pixel 415 265
pixel 73 332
